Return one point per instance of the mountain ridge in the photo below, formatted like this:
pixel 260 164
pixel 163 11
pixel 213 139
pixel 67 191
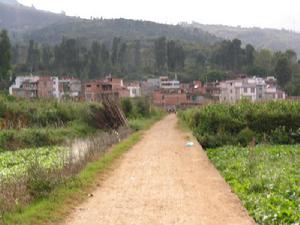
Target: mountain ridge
pixel 269 38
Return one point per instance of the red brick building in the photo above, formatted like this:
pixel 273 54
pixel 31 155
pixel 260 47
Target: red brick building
pixel 45 87
pixel 170 98
pixel 97 90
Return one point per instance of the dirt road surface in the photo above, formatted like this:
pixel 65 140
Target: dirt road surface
pixel 161 181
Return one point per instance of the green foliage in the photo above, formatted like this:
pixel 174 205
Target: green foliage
pixel 5 58
pixel 283 71
pixel 265 178
pixel 245 136
pixel 127 107
pixel 223 124
pixel 39 123
pixel 18 163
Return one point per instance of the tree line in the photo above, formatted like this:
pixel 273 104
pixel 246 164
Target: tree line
pixel 140 59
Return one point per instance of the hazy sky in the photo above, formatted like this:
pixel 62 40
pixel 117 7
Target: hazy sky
pixel 260 13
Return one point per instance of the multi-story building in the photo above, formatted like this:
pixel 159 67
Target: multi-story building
pixel 166 83
pixel 98 90
pixel 45 87
pixel 69 87
pixel 254 89
pixel 134 90
pixel 212 89
pixel 25 87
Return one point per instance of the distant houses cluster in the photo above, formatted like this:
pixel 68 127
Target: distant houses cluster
pixel 32 87
pixel 163 91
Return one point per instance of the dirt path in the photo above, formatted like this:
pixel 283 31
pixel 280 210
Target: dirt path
pixel 160 181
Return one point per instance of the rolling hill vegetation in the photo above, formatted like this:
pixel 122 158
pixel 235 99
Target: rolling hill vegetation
pixel 273 39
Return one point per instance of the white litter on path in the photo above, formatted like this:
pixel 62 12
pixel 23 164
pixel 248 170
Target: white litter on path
pixel 189 144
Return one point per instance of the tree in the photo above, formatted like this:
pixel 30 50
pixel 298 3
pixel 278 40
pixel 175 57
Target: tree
pixel 249 55
pixel 95 60
pixel 33 57
pixel 283 71
pixel 137 54
pixel 115 50
pixel 5 58
pixel 171 55
pixel 263 61
pixel 47 57
pixel 160 53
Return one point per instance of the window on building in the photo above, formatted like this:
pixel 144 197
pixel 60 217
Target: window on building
pixel 245 90
pixel 88 85
pixel 252 90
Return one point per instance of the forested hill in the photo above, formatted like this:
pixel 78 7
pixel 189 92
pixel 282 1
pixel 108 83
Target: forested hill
pixel 25 23
pixel 18 18
pixel 274 39
pixel 107 29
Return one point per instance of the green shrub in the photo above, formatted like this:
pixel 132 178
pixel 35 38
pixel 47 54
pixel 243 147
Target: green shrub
pixel 245 136
pixel 245 120
pixel 127 107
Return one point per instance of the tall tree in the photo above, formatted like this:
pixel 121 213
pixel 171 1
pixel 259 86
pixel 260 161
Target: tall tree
pixel 47 57
pixel 137 54
pixel 33 57
pixel 5 57
pixel 283 71
pixel 95 60
pixel 115 50
pixel 160 53
pixel 171 55
pixel 249 55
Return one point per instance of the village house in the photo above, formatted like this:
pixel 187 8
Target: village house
pixel 69 88
pixel 25 87
pixel 170 99
pixel 254 89
pixel 31 87
pixel 165 83
pixel 98 90
pixel 134 90
pixel 212 89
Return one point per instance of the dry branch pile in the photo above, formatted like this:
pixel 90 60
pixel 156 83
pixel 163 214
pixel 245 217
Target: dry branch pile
pixel 108 117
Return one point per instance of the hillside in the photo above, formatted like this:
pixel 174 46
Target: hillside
pixel 106 29
pixel 18 19
pixel 277 40
pixel 9 2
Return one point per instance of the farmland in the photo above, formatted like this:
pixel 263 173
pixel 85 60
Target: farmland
pixel 45 143
pixel 15 164
pixel 255 146
pixel 266 179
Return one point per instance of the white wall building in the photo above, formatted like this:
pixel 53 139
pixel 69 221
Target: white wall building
pixel 134 91
pixel 165 83
pixel 254 89
pixel 20 80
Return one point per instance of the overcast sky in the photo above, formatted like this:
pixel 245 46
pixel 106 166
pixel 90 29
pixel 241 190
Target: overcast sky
pixel 246 13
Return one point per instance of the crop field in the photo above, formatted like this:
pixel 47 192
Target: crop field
pixel 15 164
pixel 266 178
